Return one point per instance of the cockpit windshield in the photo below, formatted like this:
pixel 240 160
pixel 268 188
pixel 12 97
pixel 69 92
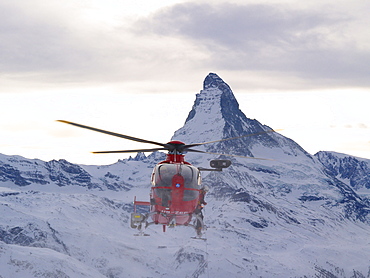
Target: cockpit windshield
pixel 164 173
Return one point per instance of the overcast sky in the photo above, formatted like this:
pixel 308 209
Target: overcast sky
pixel 303 67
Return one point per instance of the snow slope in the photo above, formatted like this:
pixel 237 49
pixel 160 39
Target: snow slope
pixel 297 215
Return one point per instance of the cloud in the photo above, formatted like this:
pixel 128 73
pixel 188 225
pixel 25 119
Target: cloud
pixel 260 46
pixel 238 26
pixel 55 42
pixel 358 126
pixel 361 125
pixel 32 41
pixel 313 44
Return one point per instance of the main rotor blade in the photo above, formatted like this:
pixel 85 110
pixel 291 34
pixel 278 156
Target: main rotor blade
pixel 115 134
pixel 233 155
pixel 227 139
pixel 134 151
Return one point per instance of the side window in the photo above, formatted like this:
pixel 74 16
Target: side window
pixel 153 175
pixel 190 175
pixel 164 174
pixel 199 179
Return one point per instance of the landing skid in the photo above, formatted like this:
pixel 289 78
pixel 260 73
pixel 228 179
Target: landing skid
pixel 140 222
pixel 201 238
pixel 141 234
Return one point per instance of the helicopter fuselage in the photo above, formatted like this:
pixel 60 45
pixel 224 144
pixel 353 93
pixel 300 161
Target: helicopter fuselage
pixel 175 192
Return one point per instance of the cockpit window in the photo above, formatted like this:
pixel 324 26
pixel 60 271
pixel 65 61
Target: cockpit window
pixel 165 172
pixel 190 175
pixel 163 175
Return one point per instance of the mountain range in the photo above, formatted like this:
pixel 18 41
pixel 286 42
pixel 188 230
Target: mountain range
pixel 291 214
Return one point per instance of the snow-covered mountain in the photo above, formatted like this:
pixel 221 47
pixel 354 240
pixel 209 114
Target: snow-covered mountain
pixel 296 215
pixel 122 175
pixel 351 170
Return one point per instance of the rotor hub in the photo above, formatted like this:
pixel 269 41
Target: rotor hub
pixel 175 147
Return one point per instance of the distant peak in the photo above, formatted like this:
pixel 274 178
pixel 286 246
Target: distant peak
pixel 213 81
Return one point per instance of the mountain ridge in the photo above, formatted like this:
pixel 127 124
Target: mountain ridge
pixel 298 215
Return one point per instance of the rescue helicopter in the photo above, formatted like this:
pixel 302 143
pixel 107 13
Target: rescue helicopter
pixel 177 195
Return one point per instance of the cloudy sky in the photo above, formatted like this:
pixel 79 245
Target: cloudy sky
pixel 135 66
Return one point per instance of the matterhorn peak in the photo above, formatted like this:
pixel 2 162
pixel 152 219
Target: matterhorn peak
pixel 216 97
pixel 214 81
pixel 206 120
pixel 216 115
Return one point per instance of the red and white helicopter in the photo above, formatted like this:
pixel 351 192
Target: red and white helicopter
pixel 177 196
